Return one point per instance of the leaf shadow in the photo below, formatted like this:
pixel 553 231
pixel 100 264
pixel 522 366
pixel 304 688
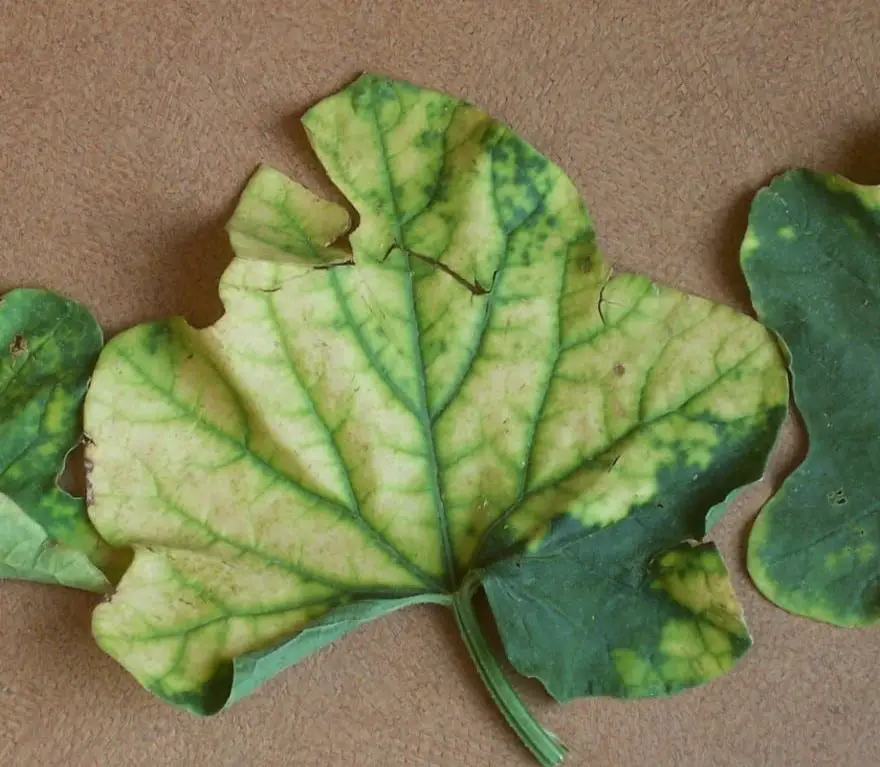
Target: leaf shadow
pixel 191 258
pixel 858 158
pixel 290 128
pixel 310 172
pixel 728 240
pixel 531 690
pixel 193 262
pixel 789 453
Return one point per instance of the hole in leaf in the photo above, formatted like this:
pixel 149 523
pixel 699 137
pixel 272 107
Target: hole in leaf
pixel 71 479
pixel 837 497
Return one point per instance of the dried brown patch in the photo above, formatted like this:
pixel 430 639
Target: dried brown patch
pixel 18 346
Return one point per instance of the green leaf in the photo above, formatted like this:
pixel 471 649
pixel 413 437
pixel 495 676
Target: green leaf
pixel 374 428
pixel 48 347
pixel 599 612
pixel 811 257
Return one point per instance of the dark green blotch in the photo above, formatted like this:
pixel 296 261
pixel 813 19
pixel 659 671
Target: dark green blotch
pixel 429 138
pixel 208 700
pixel 155 337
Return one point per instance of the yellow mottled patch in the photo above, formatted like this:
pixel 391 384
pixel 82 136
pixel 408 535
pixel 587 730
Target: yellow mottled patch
pixel 637 674
pixel 672 558
pixel 283 222
pixel 786 233
pixel 56 413
pixel 698 580
pixel 679 671
pixel 621 411
pixel 707 667
pixel 619 478
pixel 716 641
pixel 866 552
pixel 848 557
pixel 694 652
pixel 681 639
pixel 711 562
pixel 750 243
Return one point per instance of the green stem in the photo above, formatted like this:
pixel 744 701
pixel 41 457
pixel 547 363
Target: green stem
pixel 545 746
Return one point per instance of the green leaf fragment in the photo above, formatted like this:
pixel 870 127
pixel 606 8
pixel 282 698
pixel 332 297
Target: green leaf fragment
pixel 282 222
pixel 811 257
pixel 27 553
pixel 632 624
pixel 48 347
pixel 388 430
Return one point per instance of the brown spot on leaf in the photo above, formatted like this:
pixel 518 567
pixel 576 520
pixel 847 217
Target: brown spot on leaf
pixel 18 345
pixel 619 370
pixel 88 465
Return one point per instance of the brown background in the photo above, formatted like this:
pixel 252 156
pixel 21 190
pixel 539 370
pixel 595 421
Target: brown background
pixel 128 129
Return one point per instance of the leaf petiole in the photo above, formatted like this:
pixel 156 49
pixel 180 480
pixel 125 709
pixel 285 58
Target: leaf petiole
pixel 544 745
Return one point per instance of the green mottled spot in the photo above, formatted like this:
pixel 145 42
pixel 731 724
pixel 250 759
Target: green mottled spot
pixel 866 553
pixel 853 223
pixel 787 233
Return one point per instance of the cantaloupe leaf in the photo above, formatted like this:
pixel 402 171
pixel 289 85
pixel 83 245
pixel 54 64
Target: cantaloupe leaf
pixel 812 260
pixel 370 429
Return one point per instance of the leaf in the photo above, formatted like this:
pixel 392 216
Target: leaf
pixel 811 257
pixel 48 347
pixel 370 429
